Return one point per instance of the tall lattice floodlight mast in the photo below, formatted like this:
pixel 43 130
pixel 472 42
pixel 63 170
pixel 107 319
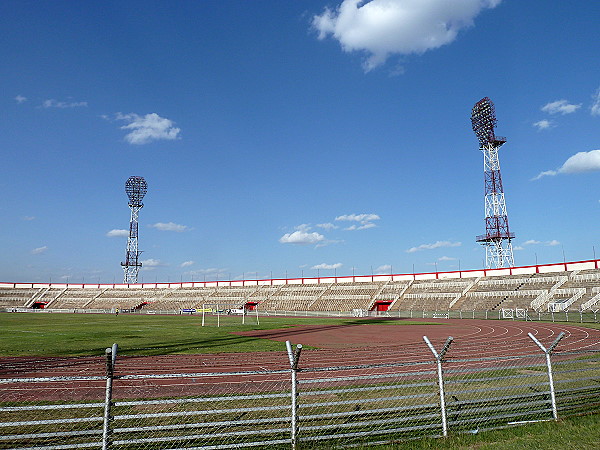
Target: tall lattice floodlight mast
pixel 497 238
pixel 136 188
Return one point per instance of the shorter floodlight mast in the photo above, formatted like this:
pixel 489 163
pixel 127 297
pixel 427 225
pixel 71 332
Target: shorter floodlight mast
pixel 136 188
pixel 497 238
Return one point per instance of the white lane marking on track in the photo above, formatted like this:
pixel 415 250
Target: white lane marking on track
pixel 549 331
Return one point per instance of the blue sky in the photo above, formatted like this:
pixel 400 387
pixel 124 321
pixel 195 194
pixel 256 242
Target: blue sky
pixel 297 137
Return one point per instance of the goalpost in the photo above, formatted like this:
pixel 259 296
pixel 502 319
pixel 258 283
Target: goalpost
pixel 228 314
pixel 516 313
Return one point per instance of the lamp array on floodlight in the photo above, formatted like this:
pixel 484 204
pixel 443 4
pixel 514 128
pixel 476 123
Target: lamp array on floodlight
pixel 136 188
pixel 483 120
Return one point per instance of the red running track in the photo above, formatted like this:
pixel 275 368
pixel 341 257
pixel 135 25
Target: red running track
pixel 362 343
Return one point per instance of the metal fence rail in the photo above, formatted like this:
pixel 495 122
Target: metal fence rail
pixel 588 316
pixel 444 390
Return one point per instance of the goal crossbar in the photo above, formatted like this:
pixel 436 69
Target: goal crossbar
pixel 222 310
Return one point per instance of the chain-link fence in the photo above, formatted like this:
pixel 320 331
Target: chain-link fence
pixel 311 399
pixel 576 316
pixel 227 318
pixel 54 411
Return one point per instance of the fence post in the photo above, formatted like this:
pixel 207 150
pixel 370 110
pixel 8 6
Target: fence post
pixel 439 359
pixel 294 357
pixel 111 358
pixel 548 352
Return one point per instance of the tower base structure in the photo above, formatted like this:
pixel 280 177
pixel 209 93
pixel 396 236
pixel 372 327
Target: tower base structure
pixel 498 253
pixel 497 237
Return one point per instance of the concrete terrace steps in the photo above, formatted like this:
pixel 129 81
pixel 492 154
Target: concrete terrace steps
pixel 578 288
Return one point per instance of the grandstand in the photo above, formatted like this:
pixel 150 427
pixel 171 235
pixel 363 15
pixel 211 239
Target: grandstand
pixel 573 286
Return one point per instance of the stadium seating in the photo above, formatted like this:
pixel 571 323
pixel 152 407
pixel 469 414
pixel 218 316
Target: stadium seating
pixel 559 290
pixel 11 298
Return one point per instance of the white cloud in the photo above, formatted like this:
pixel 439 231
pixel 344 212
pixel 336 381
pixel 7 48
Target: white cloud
pixel 437 244
pixel 582 162
pixel 595 108
pixel 148 128
pixel 211 272
pixel 579 162
pixel 365 221
pixel 518 247
pixel 170 226
pixel 551 243
pixel 302 236
pixel 360 227
pixel 560 107
pixel 51 103
pixel 187 264
pixel 327 266
pixel 545 173
pixel 20 99
pixel 327 226
pixel 383 269
pixel 118 233
pixel 385 27
pixel 358 217
pixel 446 258
pixel 29 218
pixel 151 264
pixel 39 250
pixel 398 70
pixel 543 124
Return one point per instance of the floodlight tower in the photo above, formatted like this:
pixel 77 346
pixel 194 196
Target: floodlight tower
pixel 497 238
pixel 136 188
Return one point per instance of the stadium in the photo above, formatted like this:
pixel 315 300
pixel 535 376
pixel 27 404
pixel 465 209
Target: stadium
pixel 318 362
pixel 317 138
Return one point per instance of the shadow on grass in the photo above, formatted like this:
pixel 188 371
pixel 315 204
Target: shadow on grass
pixel 247 341
pixel 280 333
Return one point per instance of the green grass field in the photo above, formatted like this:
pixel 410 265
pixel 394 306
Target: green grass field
pixel 580 432
pixel 46 334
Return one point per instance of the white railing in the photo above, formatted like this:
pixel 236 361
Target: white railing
pixel 579 292
pixel 525 293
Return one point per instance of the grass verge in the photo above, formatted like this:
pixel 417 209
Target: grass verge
pixel 580 432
